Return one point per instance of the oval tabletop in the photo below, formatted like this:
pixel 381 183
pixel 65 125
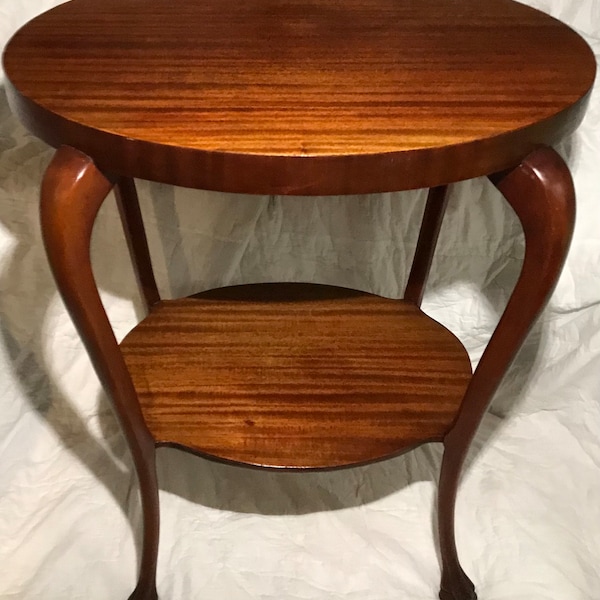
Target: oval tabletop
pixel 299 96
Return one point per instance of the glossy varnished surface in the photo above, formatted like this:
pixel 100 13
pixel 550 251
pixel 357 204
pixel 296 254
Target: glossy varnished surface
pixel 299 96
pixel 332 379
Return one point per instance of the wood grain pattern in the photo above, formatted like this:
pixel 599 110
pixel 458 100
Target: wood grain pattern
pixel 299 96
pixel 310 97
pixel 253 375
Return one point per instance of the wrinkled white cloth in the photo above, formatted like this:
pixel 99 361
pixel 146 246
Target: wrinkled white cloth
pixel 528 515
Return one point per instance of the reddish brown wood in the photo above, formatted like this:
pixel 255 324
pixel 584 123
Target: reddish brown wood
pixel 135 234
pixel 339 97
pixel 295 375
pixel 73 190
pixel 540 191
pixel 428 236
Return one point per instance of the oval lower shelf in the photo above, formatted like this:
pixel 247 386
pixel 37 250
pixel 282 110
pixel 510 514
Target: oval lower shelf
pixel 298 376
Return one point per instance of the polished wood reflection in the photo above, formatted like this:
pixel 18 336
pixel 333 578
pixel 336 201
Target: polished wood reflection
pixel 295 375
pixel 303 97
pixel 372 95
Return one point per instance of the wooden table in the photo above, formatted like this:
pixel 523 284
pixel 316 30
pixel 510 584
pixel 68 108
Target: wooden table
pixel 303 97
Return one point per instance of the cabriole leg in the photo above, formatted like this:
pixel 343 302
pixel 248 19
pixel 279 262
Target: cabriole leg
pixel 540 190
pixel 73 190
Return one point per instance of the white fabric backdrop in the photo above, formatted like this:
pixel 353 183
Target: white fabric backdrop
pixel 528 519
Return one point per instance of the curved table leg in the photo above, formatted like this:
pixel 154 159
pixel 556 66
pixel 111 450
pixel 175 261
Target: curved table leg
pixel 540 191
pixel 73 190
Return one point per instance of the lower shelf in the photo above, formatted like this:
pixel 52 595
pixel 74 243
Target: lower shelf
pixel 295 375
